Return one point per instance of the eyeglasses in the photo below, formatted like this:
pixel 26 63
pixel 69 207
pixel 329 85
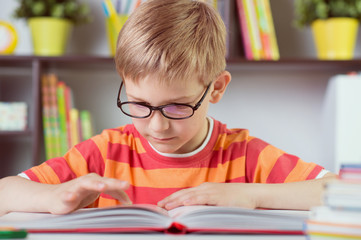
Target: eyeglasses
pixel 175 111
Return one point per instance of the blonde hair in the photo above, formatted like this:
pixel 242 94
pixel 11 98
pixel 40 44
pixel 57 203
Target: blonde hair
pixel 176 40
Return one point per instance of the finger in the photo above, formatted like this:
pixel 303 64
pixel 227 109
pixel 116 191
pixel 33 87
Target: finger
pixel 173 197
pixel 94 184
pixel 116 188
pixel 121 196
pixel 180 199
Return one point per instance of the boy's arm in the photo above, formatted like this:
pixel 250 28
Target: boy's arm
pixel 20 194
pixel 296 195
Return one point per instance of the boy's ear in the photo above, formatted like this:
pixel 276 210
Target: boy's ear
pixel 219 86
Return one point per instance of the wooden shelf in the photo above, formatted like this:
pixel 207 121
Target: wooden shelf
pixel 18 60
pixel 15 133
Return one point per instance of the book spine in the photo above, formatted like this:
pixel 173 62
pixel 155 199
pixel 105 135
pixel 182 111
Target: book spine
pixel 68 106
pixel 244 30
pixel 54 121
pixel 60 92
pixel 74 119
pixel 272 32
pixel 86 125
pixel 46 117
pixel 264 30
pixel 252 26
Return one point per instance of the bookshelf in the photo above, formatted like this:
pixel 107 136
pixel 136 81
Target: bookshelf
pixel 35 66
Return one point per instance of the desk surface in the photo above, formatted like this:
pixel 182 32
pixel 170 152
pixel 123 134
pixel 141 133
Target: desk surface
pixel 158 237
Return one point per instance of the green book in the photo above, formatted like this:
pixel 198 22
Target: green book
pixel 86 125
pixel 63 135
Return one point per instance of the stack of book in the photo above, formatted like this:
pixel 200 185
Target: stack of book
pixel 63 125
pixel 340 217
pixel 257 30
pixel 249 22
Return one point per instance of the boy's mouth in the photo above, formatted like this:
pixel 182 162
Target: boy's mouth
pixel 162 139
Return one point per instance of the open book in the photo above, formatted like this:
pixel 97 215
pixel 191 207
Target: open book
pixel 148 218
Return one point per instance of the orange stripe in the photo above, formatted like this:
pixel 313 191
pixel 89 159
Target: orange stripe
pixel 266 160
pixel 225 140
pixel 76 162
pixel 44 172
pixel 126 139
pixel 175 177
pixel 300 172
pixel 106 202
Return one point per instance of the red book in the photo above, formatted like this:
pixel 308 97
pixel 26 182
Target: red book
pixel 244 30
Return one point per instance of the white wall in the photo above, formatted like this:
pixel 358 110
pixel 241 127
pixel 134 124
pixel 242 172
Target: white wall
pixel 281 106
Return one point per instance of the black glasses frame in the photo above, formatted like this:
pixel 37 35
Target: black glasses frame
pixel 160 108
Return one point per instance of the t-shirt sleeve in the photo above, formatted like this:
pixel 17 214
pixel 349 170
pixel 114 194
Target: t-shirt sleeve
pixel 86 157
pixel 268 164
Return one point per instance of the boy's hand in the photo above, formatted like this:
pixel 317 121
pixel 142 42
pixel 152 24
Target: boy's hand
pixel 82 191
pixel 302 195
pixel 219 194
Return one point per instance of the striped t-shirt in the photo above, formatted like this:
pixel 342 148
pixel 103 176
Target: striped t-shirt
pixel 229 155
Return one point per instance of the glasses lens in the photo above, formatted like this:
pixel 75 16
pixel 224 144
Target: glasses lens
pixel 178 111
pixel 135 109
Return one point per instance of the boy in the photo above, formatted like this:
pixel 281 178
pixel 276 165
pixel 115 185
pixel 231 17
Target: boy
pixel 171 58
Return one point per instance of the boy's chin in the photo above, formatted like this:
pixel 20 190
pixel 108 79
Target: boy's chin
pixel 166 149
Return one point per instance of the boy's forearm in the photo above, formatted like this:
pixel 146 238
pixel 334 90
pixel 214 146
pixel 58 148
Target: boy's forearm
pixel 296 195
pixel 20 194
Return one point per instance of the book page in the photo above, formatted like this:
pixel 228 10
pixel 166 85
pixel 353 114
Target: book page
pixel 238 219
pixel 132 216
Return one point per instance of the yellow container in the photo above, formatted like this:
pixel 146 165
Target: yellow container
pixel 335 38
pixel 112 31
pixel 50 35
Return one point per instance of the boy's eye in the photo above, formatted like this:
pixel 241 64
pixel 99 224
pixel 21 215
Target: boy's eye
pixel 136 109
pixel 177 111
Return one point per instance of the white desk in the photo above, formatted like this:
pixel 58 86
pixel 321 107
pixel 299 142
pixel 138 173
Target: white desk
pixel 158 237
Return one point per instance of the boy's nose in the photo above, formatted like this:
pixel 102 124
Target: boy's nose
pixel 158 123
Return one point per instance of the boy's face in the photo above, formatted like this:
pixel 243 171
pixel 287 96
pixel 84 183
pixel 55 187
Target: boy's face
pixel 167 135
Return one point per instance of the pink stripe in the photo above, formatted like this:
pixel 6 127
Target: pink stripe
pixel 92 155
pixel 122 153
pixel 282 168
pixel 31 175
pixel 254 148
pixel 61 169
pixel 146 195
pixel 313 174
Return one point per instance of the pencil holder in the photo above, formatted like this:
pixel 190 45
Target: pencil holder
pixel 112 31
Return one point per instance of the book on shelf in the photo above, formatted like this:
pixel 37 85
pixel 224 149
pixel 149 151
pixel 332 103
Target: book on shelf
pixel 244 30
pixel 63 131
pixel 340 217
pixel 59 117
pixel 53 116
pixel 275 54
pixel 150 218
pixel 257 30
